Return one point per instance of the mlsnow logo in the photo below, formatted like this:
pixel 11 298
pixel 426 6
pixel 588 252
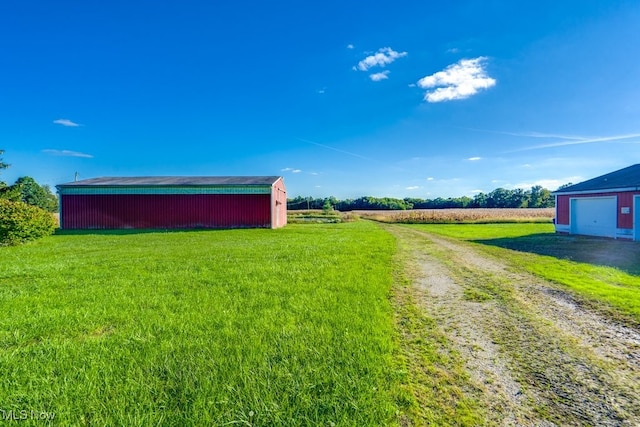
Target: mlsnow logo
pixel 24 414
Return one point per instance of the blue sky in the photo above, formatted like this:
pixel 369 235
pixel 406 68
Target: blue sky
pixel 402 99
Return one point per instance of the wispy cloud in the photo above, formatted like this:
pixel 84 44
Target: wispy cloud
pixel 376 77
pixel 292 170
pixel 540 135
pixel 381 58
pixel 66 122
pixel 573 140
pixel 458 81
pixel 67 153
pixel 350 46
pixel 430 178
pixel 335 149
pixel 413 187
pixel 474 159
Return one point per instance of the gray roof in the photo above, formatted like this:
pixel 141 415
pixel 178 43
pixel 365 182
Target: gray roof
pixel 627 178
pixel 135 181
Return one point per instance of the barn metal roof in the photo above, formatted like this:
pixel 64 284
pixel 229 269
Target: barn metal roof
pixel 146 181
pixel 627 179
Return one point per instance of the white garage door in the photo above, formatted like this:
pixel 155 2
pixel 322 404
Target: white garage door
pixel 594 216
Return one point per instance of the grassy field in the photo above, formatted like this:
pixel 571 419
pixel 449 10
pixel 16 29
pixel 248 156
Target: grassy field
pixel 246 327
pixel 602 272
pixel 313 324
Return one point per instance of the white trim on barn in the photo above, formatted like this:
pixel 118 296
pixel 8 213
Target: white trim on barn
pixel 594 216
pixel 599 191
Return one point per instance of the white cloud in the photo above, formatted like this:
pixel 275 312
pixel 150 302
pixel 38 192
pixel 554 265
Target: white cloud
pixel 66 122
pixel 321 91
pixel 350 46
pixel 474 159
pixel 381 58
pixel 376 77
pixel 430 178
pixel 572 140
pixel 453 50
pixel 549 184
pixel 413 187
pixel 296 171
pixel 67 153
pixel 458 81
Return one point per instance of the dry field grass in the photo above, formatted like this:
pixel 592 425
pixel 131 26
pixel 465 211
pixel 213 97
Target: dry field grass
pixel 452 216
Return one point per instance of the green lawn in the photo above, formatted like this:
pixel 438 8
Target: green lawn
pixel 237 327
pixel 602 272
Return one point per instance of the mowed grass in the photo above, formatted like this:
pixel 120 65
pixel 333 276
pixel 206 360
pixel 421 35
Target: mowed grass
pixel 604 273
pixel 237 327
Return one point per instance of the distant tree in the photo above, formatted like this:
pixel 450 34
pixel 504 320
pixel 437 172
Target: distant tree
pixel 3 165
pixel 536 197
pixel 34 194
pixel 540 197
pixel 479 200
pixel 519 198
pixel 52 199
pixel 327 206
pixel 563 186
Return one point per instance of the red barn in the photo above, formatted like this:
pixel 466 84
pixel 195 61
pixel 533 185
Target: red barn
pixel 174 202
pixel 608 206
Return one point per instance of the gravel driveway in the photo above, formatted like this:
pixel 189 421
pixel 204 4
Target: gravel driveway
pixel 538 357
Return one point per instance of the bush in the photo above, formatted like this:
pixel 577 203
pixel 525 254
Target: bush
pixel 20 223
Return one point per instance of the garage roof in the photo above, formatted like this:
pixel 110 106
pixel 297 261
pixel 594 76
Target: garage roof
pixel 627 179
pixel 136 181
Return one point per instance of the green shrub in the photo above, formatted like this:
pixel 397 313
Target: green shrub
pixel 20 222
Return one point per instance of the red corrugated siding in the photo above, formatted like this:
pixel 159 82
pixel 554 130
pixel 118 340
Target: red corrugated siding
pixel 562 210
pixel 165 211
pixel 625 199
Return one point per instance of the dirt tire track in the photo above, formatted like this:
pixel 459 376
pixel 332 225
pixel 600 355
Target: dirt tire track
pixel 588 367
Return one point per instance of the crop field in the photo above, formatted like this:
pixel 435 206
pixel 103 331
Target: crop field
pixel 247 327
pixel 452 216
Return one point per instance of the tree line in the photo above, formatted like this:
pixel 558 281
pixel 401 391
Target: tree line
pixel 28 191
pixel 535 197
